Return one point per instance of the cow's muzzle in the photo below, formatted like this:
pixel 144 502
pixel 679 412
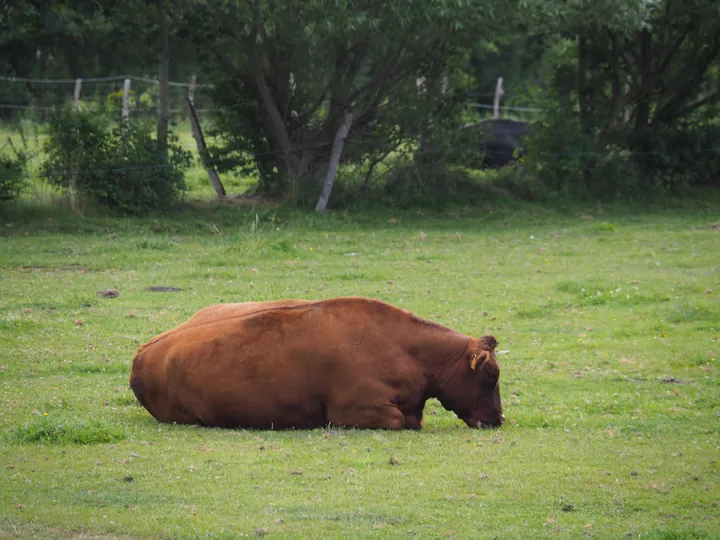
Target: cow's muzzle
pixel 485 424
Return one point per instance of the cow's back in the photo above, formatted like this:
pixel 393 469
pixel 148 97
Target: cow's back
pixel 262 365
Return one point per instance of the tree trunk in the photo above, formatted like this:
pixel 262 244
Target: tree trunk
pixel 334 162
pixel 582 83
pixel 642 114
pixel 163 78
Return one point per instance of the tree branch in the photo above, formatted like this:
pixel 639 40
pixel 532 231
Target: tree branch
pixel 621 53
pixel 672 107
pixel 670 53
pixel 710 99
pixel 279 129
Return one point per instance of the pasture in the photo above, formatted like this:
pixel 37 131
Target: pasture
pixel 609 326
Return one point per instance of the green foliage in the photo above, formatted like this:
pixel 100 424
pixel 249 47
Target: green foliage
pixel 518 183
pixel 569 17
pixel 14 165
pixel 53 431
pixel 629 88
pixel 12 177
pixel 116 167
pixel 683 155
pixel 568 162
pixel 430 186
pixel 364 58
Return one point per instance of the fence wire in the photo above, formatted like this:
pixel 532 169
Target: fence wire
pixel 41 96
pixel 36 98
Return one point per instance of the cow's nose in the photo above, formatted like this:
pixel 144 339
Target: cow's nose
pixel 484 424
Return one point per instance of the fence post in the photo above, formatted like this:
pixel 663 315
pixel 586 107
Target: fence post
pixel 76 93
pixel 191 89
pixel 498 94
pixel 125 102
pixel 202 147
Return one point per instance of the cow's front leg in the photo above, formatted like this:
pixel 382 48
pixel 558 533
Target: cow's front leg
pixel 413 421
pixel 386 416
pixel 414 417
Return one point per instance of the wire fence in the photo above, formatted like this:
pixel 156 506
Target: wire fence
pixel 37 98
pixel 209 162
pixel 42 95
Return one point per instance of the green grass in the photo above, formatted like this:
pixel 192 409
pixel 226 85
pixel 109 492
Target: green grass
pixel 594 319
pixel 46 431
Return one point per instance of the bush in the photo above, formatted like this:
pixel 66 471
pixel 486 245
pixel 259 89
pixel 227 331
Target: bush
pixel 568 162
pixel 431 186
pixel 117 167
pixel 517 183
pixel 572 162
pixel 680 156
pixel 13 173
pixel 12 177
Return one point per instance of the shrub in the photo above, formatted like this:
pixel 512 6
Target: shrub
pixel 117 167
pixel 431 186
pixel 13 174
pixel 568 162
pixel 680 156
pixel 518 183
pixel 12 177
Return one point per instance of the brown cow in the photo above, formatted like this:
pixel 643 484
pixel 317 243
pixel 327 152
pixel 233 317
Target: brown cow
pixel 300 364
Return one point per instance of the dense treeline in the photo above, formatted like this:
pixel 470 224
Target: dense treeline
pixel 628 89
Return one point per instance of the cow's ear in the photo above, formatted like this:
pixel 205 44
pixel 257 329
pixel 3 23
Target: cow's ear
pixel 478 358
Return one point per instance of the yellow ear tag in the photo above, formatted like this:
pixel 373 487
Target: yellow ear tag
pixel 474 361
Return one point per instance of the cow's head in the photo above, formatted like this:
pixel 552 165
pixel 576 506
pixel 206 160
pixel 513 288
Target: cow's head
pixel 474 394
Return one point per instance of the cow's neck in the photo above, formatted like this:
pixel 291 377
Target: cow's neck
pixel 437 349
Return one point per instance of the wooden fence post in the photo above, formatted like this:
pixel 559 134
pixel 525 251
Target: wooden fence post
pixel 191 89
pixel 125 100
pixel 76 93
pixel 202 148
pixel 498 94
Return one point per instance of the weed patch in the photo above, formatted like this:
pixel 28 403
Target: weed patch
pixel 596 294
pixel 109 368
pixel 57 431
pixel 686 312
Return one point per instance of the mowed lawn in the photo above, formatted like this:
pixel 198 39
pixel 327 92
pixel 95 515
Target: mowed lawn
pixel 608 331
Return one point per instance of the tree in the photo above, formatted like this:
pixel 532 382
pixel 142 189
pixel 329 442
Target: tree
pixel 643 71
pixel 287 73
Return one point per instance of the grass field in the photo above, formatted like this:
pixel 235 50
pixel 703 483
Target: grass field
pixel 610 380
